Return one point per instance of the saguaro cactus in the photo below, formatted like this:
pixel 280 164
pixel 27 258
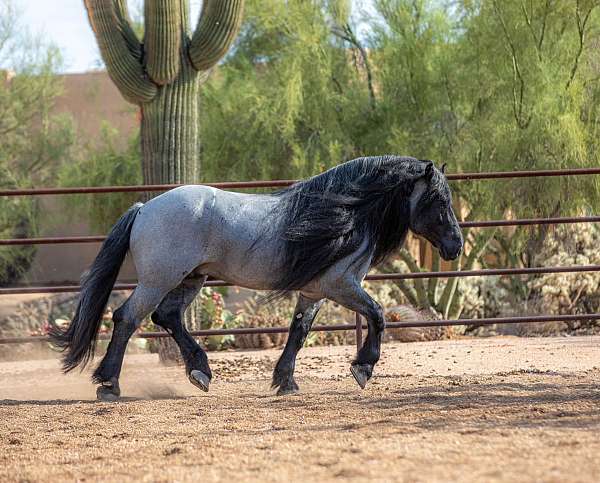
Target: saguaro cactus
pixel 162 74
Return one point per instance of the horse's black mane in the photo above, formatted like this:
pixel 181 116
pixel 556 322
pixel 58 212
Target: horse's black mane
pixel 327 217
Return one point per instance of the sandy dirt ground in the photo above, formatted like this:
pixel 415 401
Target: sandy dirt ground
pixel 499 409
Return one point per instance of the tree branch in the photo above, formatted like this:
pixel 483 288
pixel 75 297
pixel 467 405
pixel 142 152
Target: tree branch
pixel 537 40
pixel 163 35
pixel 543 31
pixel 581 25
pixel 517 104
pixel 217 28
pixel 123 68
pixel 418 283
pixel 347 34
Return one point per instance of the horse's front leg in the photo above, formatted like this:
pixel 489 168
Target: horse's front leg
pixel 304 314
pixel 352 296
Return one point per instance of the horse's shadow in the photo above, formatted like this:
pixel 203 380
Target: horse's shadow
pixel 69 402
pixel 478 405
pixel 490 405
pixel 475 406
pixel 481 395
pixel 499 405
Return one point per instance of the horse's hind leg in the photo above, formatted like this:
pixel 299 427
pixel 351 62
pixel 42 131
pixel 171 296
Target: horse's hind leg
pixel 126 320
pixel 304 314
pixel 352 296
pixel 169 316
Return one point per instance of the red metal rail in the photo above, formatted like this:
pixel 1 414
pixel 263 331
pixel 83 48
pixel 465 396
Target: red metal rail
pixel 463 224
pixel 327 328
pixel 282 183
pixel 374 278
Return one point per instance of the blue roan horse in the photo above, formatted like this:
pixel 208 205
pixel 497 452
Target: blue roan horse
pixel 318 237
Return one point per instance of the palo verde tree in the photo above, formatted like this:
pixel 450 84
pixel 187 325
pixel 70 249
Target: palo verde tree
pixel 483 85
pixel 492 85
pixel 297 91
pixel 162 74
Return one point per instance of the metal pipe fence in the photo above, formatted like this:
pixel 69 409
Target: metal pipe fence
pixel 359 325
pixel 463 224
pixel 282 183
pixel 377 277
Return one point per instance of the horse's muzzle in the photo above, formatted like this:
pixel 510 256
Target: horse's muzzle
pixel 451 251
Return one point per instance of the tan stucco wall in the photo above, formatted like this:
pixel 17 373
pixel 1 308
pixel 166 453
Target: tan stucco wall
pixel 91 99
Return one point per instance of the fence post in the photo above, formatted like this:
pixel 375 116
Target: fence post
pixel 358 331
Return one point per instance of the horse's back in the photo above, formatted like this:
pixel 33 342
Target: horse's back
pixel 193 226
pixel 177 212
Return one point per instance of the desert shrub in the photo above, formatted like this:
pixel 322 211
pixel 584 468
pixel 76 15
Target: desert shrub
pixel 254 314
pixel 552 293
pixel 568 293
pixel 105 163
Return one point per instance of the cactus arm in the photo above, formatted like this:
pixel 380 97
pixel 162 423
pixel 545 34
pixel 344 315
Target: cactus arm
pixel 432 283
pixel 123 68
pixel 448 303
pixel 408 292
pixel 124 21
pixel 163 35
pixel 218 25
pixel 411 263
pixel 443 306
pixel 401 286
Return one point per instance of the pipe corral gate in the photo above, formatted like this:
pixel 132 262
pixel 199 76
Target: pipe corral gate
pixel 358 325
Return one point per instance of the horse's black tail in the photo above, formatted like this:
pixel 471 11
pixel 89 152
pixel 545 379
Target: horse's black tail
pixel 79 339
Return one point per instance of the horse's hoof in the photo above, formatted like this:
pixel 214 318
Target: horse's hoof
pixel 108 393
pixel 288 389
pixel 361 373
pixel 199 379
pixel 284 383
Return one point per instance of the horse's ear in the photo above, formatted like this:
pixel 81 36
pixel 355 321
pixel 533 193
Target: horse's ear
pixel 443 168
pixel 429 170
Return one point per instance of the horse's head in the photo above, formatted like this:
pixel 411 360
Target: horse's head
pixel 431 213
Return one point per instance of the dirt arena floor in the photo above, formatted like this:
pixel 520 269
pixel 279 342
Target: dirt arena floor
pixel 499 409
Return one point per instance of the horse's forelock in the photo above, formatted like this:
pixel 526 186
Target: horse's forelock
pixel 437 188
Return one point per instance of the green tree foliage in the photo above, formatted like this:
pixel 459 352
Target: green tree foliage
pixel 105 163
pixel 499 86
pixel 33 143
pixel 291 97
pixel 482 85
